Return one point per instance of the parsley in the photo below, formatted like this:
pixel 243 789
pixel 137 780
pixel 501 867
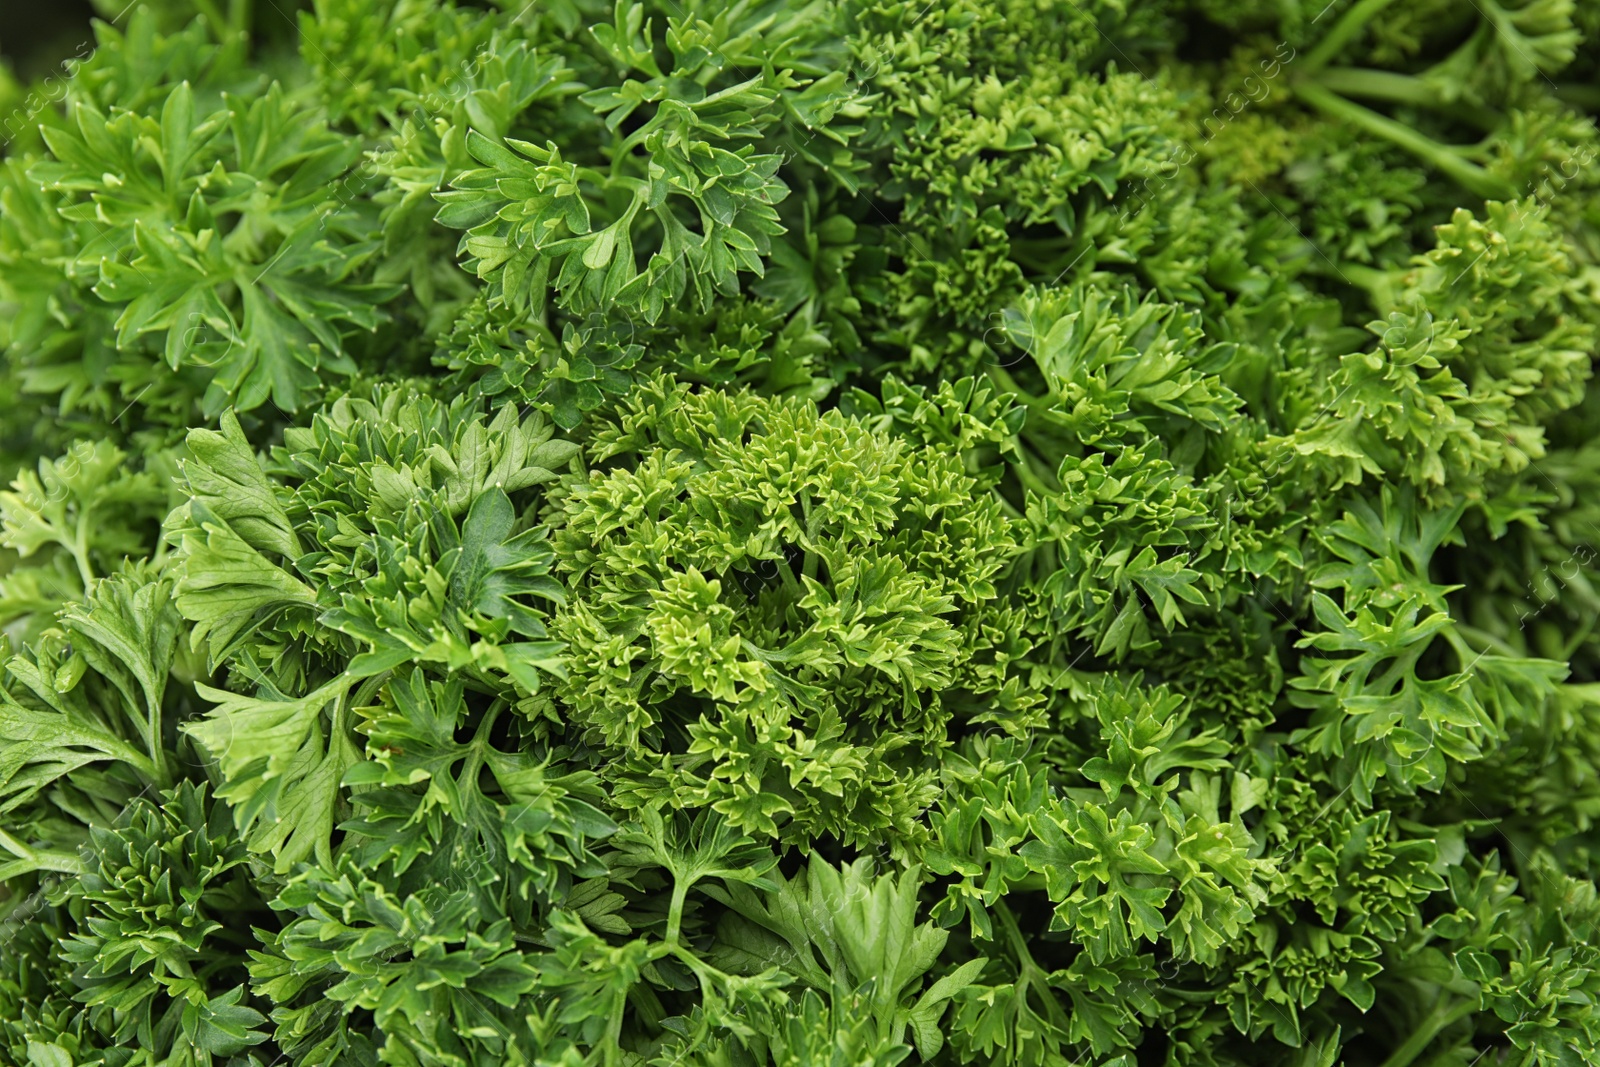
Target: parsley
pixel 767 534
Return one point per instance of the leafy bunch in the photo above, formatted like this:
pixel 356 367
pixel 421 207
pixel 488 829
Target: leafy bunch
pixel 801 532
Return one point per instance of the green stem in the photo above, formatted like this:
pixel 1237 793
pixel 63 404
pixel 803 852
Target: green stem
pixel 1371 279
pixel 1034 404
pixel 1044 477
pixel 1044 419
pixel 1577 639
pixel 156 766
pixel 1350 23
pixel 64 862
pixel 368 689
pixel 1028 971
pixel 1498 646
pixel 680 891
pixel 1471 176
pixel 1465 656
pixel 1396 88
pixel 80 550
pixel 1019 945
pixel 472 765
pixel 623 149
pixel 42 859
pixel 1436 1021
pixel 153 766
pixel 791 584
pixel 1031 481
pixel 1380 85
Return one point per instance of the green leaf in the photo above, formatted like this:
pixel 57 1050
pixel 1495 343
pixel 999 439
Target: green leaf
pixel 281 761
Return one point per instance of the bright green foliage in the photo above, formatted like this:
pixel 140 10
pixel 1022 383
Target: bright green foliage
pixel 240 265
pixel 385 538
pixel 802 533
pixel 70 523
pixel 153 890
pixel 776 599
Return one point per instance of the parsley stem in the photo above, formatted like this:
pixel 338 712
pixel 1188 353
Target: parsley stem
pixel 64 862
pixel 1437 1020
pixel 1379 85
pixel 1028 970
pixel 1044 407
pixel 1008 923
pixel 1029 477
pixel 42 859
pixel 155 767
pixel 1396 88
pixel 152 767
pixel 80 550
pixel 1379 284
pixel 1350 24
pixel 680 890
pixel 1576 640
pixel 790 583
pixel 1469 175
